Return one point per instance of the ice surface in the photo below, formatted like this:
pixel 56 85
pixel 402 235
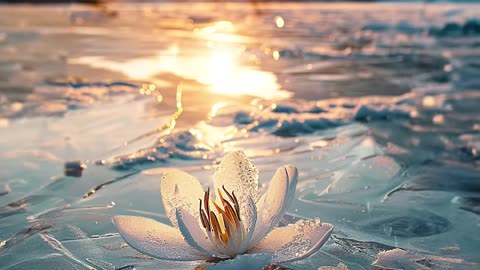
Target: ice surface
pixel 376 105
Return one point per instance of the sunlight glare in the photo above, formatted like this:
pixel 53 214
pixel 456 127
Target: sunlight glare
pixel 276 55
pixel 218 66
pixel 279 21
pixel 226 76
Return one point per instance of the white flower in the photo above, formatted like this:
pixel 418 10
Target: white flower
pixel 237 221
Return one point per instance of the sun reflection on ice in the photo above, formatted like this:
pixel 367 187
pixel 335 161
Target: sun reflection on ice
pixel 220 65
pixel 225 75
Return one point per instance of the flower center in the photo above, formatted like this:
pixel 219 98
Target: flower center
pixel 222 223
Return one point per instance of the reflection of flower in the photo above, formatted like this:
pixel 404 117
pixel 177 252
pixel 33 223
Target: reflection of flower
pixel 236 222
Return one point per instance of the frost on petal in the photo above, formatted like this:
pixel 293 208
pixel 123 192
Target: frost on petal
pixel 192 233
pixel 273 204
pixel 250 221
pixel 238 175
pixel 155 239
pixel 180 190
pixel 295 241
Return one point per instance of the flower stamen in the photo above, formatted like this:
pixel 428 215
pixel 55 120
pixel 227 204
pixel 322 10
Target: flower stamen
pixel 215 226
pixel 234 200
pixel 237 207
pixel 230 214
pixel 224 221
pixel 203 218
pixel 206 197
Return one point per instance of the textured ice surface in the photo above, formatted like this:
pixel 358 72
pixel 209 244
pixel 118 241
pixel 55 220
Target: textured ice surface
pixel 401 259
pixel 377 106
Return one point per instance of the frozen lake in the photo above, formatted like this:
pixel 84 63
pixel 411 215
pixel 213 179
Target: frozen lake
pixel 378 105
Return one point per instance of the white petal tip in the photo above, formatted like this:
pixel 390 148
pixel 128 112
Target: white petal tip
pixel 322 235
pixel 327 230
pixel 292 171
pixel 328 225
pixel 120 221
pixel 310 235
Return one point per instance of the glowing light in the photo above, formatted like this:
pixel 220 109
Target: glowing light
pixel 276 55
pixel 172 124
pixel 438 119
pixel 16 106
pixel 414 113
pixel 4 122
pixel 196 133
pixel 179 97
pixel 321 143
pixel 279 21
pixel 428 101
pixel 147 89
pixel 215 108
pixel 225 75
pixel 219 67
pixel 138 68
pixel 221 26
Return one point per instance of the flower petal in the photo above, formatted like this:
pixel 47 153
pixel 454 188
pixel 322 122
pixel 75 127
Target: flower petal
pixel 249 224
pixel 193 234
pixel 180 190
pixel 155 239
pixel 238 175
pixel 295 241
pixel 274 203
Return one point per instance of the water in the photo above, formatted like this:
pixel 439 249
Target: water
pixel 376 104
